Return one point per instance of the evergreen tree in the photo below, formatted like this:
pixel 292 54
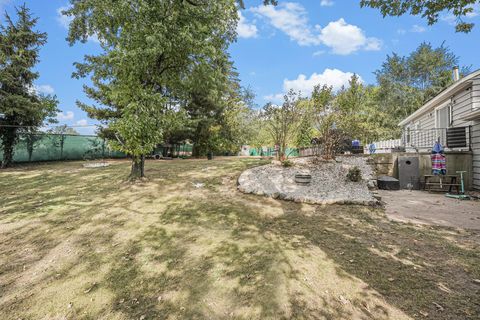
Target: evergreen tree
pixel 21 108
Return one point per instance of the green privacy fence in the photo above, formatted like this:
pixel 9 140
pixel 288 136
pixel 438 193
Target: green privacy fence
pixel 174 150
pixel 270 152
pixel 55 147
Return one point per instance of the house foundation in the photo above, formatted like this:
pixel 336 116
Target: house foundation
pixel 387 164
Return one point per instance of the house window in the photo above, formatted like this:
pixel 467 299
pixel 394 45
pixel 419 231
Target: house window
pixel 443 116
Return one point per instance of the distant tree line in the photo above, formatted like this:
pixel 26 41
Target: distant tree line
pixel 164 75
pixel 359 111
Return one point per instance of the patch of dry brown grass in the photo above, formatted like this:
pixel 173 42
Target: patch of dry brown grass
pixel 80 243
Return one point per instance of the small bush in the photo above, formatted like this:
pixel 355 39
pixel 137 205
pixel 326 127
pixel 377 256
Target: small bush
pixel 287 163
pixel 354 174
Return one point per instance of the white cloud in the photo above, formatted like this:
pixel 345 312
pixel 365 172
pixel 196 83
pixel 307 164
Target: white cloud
pixel 62 19
pixel 69 115
pixel 82 122
pixel 44 88
pixel 415 29
pixel 327 3
pixel 274 98
pixel 330 77
pixel 41 89
pixel 245 29
pixel 418 29
pixel 373 44
pixel 318 53
pixel 344 38
pixel 291 18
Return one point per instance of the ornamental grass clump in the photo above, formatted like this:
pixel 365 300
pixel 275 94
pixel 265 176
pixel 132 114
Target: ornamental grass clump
pixel 287 163
pixel 354 174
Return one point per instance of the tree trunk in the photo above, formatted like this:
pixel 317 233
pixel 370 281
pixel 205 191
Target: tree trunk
pixel 9 138
pixel 30 150
pixel 138 168
pixel 195 150
pixel 62 143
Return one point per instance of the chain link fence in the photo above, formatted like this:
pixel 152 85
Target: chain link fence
pixel 58 147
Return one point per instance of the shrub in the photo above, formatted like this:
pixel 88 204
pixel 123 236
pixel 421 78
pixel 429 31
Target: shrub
pixel 354 174
pixel 287 163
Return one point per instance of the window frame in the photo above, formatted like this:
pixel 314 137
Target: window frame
pixel 447 104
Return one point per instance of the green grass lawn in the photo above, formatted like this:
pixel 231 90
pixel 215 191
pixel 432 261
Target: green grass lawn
pixel 79 243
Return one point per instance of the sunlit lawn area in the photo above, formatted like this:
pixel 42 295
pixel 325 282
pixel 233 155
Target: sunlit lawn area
pixel 79 243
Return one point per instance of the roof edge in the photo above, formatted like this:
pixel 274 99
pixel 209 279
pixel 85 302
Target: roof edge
pixel 440 96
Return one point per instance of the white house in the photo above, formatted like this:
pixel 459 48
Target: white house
pixel 452 117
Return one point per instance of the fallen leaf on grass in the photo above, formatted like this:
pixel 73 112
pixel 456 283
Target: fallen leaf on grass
pixel 439 307
pixel 91 288
pixel 343 300
pixel 444 288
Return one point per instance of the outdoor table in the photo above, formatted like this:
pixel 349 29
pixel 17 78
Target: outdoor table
pixel 453 182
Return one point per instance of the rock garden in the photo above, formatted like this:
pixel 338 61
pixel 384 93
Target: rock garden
pixel 345 180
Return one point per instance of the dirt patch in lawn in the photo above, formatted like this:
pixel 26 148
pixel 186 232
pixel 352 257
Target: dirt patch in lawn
pixel 78 243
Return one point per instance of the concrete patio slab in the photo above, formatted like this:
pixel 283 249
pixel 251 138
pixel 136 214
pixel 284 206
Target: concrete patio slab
pixel 422 207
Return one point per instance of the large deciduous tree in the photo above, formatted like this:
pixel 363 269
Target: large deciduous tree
pixel 431 10
pixel 407 82
pixel 22 109
pixel 150 50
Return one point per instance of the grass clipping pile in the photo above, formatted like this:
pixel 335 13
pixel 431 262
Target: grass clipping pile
pixel 329 184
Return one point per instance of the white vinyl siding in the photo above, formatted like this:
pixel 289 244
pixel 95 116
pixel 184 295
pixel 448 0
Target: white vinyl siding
pixel 462 104
pixel 476 155
pixel 476 94
pixel 427 120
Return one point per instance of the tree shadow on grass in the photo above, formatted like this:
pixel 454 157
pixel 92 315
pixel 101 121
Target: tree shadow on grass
pixel 359 240
pixel 139 294
pixel 409 279
pixel 255 262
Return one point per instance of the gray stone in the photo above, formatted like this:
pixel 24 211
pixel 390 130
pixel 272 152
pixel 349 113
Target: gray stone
pixel 328 184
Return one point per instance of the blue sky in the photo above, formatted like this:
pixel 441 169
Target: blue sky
pixel 295 45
